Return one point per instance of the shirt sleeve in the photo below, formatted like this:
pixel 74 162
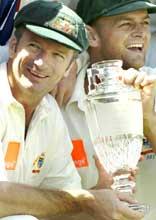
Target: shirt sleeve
pixel 3 174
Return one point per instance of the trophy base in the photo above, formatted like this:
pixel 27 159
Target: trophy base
pixel 144 208
pixel 123 184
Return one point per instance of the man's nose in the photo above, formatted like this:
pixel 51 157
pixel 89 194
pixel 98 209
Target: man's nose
pixel 139 30
pixel 42 59
pixel 38 62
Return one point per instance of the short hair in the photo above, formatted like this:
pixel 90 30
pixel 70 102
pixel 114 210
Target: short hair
pixel 18 32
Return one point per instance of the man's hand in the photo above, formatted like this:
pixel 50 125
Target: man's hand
pixel 109 205
pixel 149 104
pixel 147 85
pixel 105 179
pixel 101 204
pixel 138 79
pixel 63 91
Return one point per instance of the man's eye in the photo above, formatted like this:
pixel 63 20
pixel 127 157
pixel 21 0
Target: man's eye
pixel 147 23
pixel 34 46
pixel 59 55
pixel 124 24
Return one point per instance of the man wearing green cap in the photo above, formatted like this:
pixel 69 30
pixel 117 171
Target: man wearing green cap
pixel 117 30
pixel 34 139
pixel 40 177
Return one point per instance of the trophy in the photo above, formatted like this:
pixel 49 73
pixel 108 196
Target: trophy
pixel 115 121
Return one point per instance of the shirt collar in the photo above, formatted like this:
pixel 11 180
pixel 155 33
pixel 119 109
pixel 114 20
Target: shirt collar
pixel 79 94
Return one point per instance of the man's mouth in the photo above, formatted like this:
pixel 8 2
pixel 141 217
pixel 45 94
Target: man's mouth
pixel 137 47
pixel 37 74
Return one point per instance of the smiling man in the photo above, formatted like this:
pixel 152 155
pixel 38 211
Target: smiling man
pixel 122 30
pixel 35 145
pixel 117 30
pixel 34 139
pixel 131 32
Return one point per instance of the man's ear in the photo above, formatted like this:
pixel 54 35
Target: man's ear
pixel 94 39
pixel 12 46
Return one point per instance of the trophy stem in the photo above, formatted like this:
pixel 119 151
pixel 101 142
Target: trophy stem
pixel 123 184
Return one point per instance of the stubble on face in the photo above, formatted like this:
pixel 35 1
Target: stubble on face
pixel 124 37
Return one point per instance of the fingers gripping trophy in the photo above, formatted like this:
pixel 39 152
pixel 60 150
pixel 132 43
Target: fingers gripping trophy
pixel 115 121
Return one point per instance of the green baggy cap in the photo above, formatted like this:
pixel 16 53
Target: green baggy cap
pixel 89 10
pixel 55 21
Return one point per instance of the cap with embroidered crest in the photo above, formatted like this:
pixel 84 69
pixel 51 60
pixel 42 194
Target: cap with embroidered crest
pixel 90 10
pixel 55 21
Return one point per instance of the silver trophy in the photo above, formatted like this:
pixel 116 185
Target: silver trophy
pixel 115 121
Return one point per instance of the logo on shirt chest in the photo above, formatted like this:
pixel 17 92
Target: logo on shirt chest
pixel 11 155
pixel 38 163
pixel 79 154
